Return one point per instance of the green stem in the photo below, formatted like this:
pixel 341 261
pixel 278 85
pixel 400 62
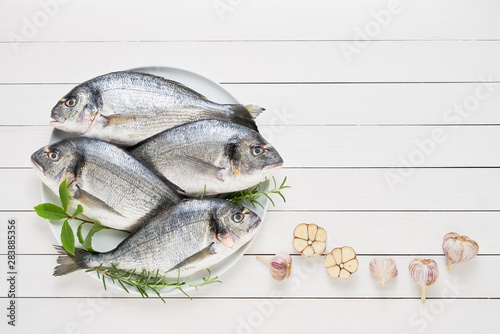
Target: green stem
pixel 91 222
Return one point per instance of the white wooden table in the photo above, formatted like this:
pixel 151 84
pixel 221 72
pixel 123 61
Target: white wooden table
pixel 387 115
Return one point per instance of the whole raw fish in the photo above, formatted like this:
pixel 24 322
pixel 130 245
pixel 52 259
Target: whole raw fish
pixel 210 157
pixel 113 187
pixel 125 108
pixel 188 237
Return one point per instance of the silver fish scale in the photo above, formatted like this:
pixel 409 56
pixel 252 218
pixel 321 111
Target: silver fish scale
pixel 195 155
pixel 119 180
pixel 139 93
pixel 166 240
pixel 139 105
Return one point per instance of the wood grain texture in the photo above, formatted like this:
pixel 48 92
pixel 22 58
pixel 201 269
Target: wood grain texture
pixel 246 315
pixel 250 62
pixel 415 233
pixel 345 111
pixel 250 20
pixel 303 104
pixel 341 189
pixel 462 281
pixel 332 146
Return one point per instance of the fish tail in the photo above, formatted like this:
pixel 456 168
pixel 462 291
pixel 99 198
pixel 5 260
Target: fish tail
pixel 254 110
pixel 67 263
pixel 244 115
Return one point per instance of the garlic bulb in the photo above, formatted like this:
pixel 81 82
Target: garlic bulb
pixel 383 270
pixel 281 265
pixel 341 262
pixel 425 273
pixel 309 239
pixel 458 248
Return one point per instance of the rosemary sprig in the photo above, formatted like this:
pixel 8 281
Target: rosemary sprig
pixel 250 195
pixel 146 280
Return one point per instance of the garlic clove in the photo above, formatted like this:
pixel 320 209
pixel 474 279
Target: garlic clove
pixel 309 239
pixel 321 235
pixel 299 244
pixel 347 254
pixel 383 270
pixel 425 272
pixel 318 247
pixel 337 255
pixel 341 262
pixel 301 231
pixel 333 271
pixel 351 265
pixel 458 248
pixel 311 230
pixel 281 265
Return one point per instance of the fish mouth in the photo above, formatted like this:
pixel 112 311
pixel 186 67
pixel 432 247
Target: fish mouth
pixel 273 166
pixel 255 225
pixel 56 119
pixel 36 165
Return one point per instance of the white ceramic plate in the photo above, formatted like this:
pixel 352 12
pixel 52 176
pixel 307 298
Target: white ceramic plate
pixel 108 239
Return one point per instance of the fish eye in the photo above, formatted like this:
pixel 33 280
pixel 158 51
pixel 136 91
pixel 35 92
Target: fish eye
pixel 70 102
pixel 54 156
pixel 257 150
pixel 238 218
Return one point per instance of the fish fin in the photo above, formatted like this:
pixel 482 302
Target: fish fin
pixel 90 200
pixel 254 110
pixel 68 263
pixel 196 257
pixel 245 117
pixel 117 119
pixel 171 184
pixel 214 171
pixel 228 239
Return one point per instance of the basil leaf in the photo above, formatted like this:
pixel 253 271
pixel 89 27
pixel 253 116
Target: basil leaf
pixel 87 244
pixel 79 234
pixel 64 195
pixel 68 238
pixel 50 211
pixel 79 209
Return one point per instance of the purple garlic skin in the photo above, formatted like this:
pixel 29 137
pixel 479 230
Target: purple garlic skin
pixel 458 248
pixel 281 265
pixel 383 270
pixel 425 272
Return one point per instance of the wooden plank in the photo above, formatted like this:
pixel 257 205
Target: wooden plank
pixel 255 315
pixel 381 232
pixel 474 279
pixel 384 61
pixel 331 146
pixel 230 20
pixel 409 232
pixel 338 189
pixel 302 104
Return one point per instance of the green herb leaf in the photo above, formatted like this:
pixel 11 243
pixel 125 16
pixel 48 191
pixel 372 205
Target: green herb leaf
pixel 68 238
pixel 87 243
pixel 64 195
pixel 79 210
pixel 250 195
pixel 147 280
pixel 79 233
pixel 50 211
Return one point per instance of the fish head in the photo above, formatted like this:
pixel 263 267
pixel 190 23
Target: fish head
pixel 56 163
pixel 252 159
pixel 235 225
pixel 76 111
